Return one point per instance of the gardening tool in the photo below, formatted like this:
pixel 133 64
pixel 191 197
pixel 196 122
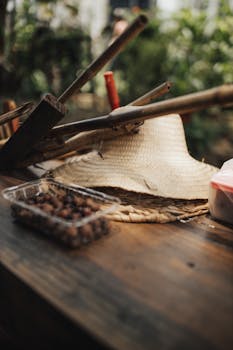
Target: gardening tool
pixel 122 117
pixel 221 95
pixel 51 110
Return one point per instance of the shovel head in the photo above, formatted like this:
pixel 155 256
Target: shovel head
pixel 40 121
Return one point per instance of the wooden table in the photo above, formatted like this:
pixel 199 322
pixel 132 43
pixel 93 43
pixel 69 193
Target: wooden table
pixel 144 286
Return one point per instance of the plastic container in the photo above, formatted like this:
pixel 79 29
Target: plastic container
pixel 72 233
pixel 221 194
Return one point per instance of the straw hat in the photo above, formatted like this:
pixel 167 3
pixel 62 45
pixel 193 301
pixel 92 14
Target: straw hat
pixel 154 163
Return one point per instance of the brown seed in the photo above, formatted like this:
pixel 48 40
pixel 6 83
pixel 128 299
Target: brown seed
pixel 48 208
pixel 71 231
pixel 78 201
pixel 76 216
pixel 64 213
pixel 87 232
pixel 47 197
pixel 87 211
pixel 97 228
pixel 60 197
pixel 91 203
pixel 56 202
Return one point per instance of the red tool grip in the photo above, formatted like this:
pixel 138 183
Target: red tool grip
pixel 113 97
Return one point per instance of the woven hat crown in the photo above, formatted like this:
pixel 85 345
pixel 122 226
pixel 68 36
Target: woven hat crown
pixel 154 161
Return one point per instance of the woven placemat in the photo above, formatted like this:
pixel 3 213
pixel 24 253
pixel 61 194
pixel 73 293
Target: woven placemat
pixel 138 207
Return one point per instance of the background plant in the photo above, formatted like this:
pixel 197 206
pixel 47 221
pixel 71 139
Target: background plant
pixel 195 53
pixel 191 49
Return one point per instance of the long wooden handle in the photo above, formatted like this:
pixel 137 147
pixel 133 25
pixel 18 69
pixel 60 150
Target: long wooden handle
pixel 184 104
pixel 18 112
pixel 50 144
pixel 151 95
pixel 217 96
pixel 9 106
pixel 136 27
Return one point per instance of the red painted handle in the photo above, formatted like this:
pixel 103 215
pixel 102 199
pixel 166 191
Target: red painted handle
pixel 111 90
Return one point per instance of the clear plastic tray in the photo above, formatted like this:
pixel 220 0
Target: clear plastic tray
pixel 71 232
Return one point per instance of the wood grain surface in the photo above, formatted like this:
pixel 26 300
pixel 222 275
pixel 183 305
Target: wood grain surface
pixel 143 286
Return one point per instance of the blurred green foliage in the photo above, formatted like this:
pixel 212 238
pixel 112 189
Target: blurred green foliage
pixel 195 53
pixel 42 58
pixel 190 49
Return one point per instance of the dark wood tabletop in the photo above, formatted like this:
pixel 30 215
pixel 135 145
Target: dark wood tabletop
pixel 143 286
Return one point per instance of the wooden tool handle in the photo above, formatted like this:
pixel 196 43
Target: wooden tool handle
pixel 130 32
pixel 221 95
pixel 151 95
pixel 18 112
pixel 8 106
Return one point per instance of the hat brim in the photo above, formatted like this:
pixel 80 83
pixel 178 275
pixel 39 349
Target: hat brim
pixel 154 162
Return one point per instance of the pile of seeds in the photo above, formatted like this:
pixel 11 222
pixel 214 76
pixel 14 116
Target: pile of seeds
pixel 68 207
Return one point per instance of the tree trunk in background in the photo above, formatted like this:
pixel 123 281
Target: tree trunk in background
pixel 3 6
pixel 11 29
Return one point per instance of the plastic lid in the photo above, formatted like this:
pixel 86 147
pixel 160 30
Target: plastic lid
pixel 228 165
pixel 223 180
